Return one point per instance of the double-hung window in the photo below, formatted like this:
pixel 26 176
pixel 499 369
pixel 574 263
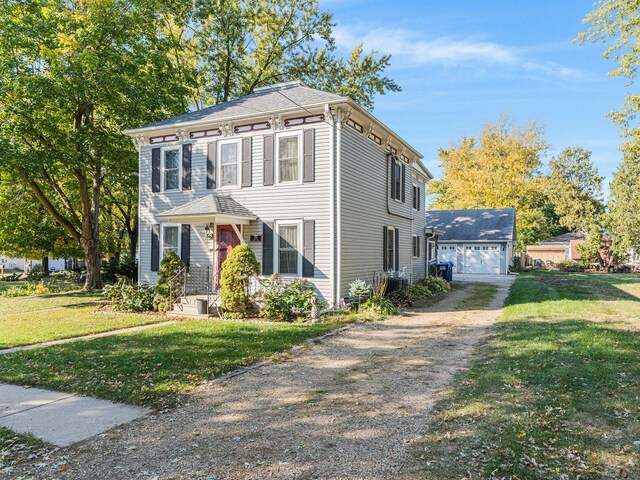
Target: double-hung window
pixel 289 156
pixel 396 179
pixel 229 155
pixel 416 246
pixel 170 240
pixel 391 249
pixel 171 168
pixel 416 197
pixel 288 248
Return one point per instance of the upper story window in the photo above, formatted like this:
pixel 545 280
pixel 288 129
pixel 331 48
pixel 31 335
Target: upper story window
pixel 416 197
pixel 229 156
pixel 288 252
pixel 171 168
pixel 288 155
pixel 397 179
pixel 170 239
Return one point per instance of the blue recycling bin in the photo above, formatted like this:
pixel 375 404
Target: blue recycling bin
pixel 445 270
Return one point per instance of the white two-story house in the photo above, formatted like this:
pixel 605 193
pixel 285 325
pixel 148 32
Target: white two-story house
pixel 317 187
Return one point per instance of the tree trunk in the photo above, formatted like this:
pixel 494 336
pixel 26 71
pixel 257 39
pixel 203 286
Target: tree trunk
pixel 90 239
pixel 92 261
pixel 133 238
pixel 45 266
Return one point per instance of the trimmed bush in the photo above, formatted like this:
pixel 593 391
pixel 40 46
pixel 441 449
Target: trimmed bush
pixel 169 267
pixel 235 279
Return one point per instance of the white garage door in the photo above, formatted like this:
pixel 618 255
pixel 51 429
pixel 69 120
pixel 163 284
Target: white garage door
pixel 447 253
pixel 482 259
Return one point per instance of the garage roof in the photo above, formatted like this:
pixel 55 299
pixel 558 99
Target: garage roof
pixel 474 225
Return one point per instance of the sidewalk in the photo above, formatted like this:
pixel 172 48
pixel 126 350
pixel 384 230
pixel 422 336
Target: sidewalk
pixel 60 418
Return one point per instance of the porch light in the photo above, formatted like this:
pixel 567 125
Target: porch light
pixel 208 232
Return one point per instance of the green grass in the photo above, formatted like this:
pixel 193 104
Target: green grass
pixel 16 448
pixel 27 320
pixel 555 392
pixel 7 285
pixel 152 367
pixel 479 295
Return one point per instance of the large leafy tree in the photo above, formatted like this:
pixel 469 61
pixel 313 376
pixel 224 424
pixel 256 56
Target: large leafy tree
pixel 244 44
pixel 500 168
pixel 624 201
pixel 575 189
pixel 73 73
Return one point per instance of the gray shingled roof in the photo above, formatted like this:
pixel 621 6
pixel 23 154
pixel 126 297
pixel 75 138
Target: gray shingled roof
pixel 262 101
pixel 565 238
pixel 211 204
pixel 482 225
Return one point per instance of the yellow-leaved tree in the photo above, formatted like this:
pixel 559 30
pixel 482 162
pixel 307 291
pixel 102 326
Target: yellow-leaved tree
pixel 498 169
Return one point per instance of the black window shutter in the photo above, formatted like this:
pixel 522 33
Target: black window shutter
pixel 385 260
pixel 211 165
pixel 155 169
pixel 186 166
pixel 155 248
pixel 309 147
pixel 393 178
pixel 185 245
pixel 246 161
pixel 308 260
pixel 267 173
pixel 396 250
pixel 404 182
pixel 267 248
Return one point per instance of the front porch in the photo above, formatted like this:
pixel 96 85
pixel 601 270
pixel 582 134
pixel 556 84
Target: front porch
pixel 219 222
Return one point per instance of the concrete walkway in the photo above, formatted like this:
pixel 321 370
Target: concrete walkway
pixel 85 337
pixel 60 418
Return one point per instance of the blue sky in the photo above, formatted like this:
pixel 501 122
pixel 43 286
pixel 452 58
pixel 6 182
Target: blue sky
pixel 463 62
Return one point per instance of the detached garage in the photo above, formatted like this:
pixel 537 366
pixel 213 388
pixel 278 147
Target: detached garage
pixel 476 241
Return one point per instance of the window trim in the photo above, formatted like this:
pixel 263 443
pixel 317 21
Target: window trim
pixel 221 143
pixel 276 246
pixel 163 226
pixel 416 197
pixel 278 136
pixel 415 246
pixel 396 190
pixel 163 167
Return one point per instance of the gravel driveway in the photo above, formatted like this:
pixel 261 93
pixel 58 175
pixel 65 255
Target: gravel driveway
pixel 349 407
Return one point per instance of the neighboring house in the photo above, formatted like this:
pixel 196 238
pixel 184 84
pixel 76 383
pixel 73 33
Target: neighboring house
pixel 476 241
pixel 27 265
pixel 317 187
pixel 556 249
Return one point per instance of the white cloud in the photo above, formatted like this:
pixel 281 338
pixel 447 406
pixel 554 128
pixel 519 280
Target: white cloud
pixel 411 48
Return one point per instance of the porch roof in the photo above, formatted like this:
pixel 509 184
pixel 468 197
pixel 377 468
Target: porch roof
pixel 213 208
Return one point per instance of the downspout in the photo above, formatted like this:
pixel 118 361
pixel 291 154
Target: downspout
pixel 426 257
pixel 332 229
pixel 338 207
pixel 139 211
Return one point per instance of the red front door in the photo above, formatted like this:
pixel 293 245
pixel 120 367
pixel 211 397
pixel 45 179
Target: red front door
pixel 226 241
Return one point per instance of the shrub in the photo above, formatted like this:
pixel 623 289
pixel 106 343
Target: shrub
pixel 286 301
pixel 378 305
pixel 122 267
pixel 435 284
pixel 169 267
pixel 420 292
pixel 235 279
pixel 359 288
pixel 400 298
pixel 569 266
pixel 126 296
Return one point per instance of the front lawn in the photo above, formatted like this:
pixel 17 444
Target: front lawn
pixel 555 393
pixel 27 320
pixel 151 367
